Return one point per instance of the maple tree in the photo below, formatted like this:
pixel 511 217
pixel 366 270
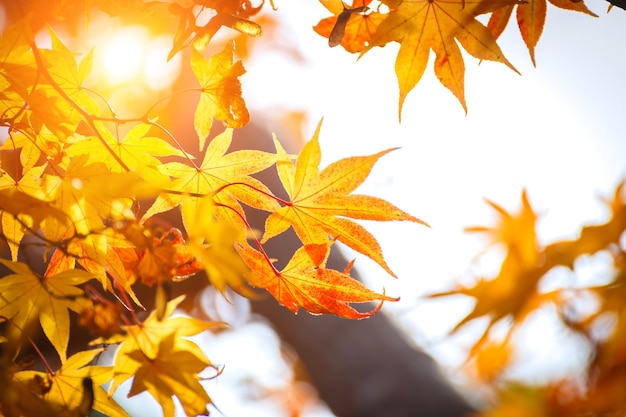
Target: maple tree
pixel 73 172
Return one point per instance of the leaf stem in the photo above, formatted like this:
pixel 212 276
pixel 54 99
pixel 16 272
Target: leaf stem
pixel 41 356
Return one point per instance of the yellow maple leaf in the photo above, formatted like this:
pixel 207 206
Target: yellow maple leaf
pixel 226 176
pixel 321 201
pixel 220 96
pixel 25 297
pixel 422 25
pixel 67 387
pixel 20 211
pixel 146 338
pixel 213 244
pixel 33 145
pixel 68 75
pixel 136 150
pixel 172 372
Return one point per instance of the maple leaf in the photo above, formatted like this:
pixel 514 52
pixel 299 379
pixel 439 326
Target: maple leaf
pixel 20 211
pixel 18 70
pixel 514 291
pixel 305 284
pixel 137 151
pixel 166 258
pixel 66 387
pixel 320 201
pixel 26 296
pixel 67 75
pixel 172 372
pixel 531 17
pixel 516 232
pixel 349 28
pixel 223 175
pixel 213 244
pixel 491 360
pixel 422 25
pixel 146 338
pixel 33 145
pixel 51 111
pixel 220 96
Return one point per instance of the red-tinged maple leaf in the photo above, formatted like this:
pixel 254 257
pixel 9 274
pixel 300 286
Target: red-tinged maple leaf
pixel 67 388
pixel 220 96
pixel 226 176
pixel 531 18
pixel 321 201
pixel 166 258
pixel 114 262
pixel 26 297
pixel 350 27
pixel 422 25
pixel 304 284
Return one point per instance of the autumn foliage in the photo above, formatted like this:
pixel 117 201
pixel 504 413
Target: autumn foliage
pixel 74 171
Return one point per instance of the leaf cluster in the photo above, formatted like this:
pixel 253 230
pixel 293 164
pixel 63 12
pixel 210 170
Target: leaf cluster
pixel 440 26
pixel 516 292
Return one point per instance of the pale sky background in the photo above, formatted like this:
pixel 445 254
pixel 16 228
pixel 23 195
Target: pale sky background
pixel 557 130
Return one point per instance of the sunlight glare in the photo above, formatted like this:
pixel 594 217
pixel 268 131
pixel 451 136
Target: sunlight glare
pixel 130 65
pixel 157 71
pixel 133 54
pixel 124 54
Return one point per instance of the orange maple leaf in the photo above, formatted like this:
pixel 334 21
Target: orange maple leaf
pixel 220 96
pixel 349 27
pixel 166 258
pixel 422 25
pixel 514 291
pixel 531 17
pixel 321 201
pixel 305 284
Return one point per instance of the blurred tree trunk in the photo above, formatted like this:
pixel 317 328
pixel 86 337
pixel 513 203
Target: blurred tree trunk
pixel 365 368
